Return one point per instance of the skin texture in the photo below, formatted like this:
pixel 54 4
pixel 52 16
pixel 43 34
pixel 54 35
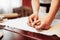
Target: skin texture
pixel 45 22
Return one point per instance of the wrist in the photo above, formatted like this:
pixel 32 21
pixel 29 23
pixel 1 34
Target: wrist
pixel 51 15
pixel 35 12
pixel 50 18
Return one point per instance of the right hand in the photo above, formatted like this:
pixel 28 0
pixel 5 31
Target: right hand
pixel 32 19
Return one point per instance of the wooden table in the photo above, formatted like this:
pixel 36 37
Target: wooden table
pixel 26 35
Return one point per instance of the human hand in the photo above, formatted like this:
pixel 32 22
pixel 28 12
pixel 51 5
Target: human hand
pixel 32 18
pixel 42 24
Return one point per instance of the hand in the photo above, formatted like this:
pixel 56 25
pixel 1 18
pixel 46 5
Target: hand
pixel 32 18
pixel 42 23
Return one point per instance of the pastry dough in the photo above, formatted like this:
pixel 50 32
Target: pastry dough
pixel 54 30
pixel 21 23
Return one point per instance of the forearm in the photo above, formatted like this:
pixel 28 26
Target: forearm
pixel 53 9
pixel 11 15
pixel 35 6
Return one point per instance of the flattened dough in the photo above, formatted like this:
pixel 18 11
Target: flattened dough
pixel 21 23
pixel 54 30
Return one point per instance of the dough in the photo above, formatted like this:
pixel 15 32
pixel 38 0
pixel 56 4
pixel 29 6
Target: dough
pixel 22 24
pixel 54 30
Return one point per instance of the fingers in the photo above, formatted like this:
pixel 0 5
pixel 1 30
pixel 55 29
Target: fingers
pixel 36 23
pixel 29 24
pixel 30 19
pixel 39 27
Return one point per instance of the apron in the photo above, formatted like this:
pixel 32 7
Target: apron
pixel 42 9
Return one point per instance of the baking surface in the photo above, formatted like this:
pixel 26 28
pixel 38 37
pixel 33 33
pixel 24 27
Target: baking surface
pixel 21 23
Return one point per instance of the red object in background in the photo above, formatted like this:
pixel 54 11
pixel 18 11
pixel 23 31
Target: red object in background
pixel 26 3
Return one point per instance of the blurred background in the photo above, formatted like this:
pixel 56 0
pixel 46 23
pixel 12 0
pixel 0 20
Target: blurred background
pixel 6 6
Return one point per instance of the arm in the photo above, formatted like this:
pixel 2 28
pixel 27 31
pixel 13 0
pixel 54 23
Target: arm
pixel 34 16
pixel 46 21
pixel 35 6
pixel 53 9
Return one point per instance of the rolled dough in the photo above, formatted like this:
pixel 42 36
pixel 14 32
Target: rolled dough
pixel 21 23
